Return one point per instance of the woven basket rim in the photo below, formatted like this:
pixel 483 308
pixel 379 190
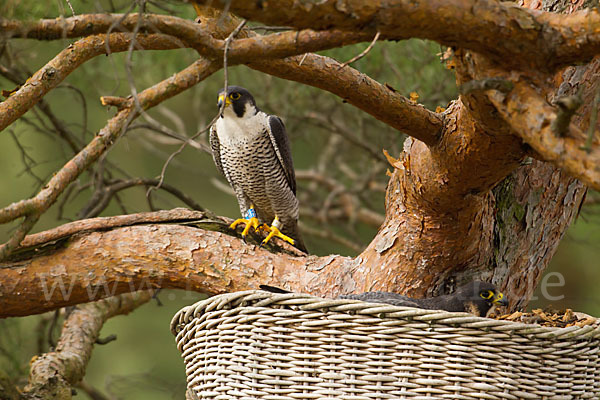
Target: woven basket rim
pixel 301 301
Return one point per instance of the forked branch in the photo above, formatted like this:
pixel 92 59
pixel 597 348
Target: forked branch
pixel 53 374
pixel 512 36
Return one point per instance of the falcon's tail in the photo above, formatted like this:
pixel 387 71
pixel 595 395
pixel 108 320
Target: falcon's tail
pixel 293 232
pixel 273 289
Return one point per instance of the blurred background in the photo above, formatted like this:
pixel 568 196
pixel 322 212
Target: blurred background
pixel 337 150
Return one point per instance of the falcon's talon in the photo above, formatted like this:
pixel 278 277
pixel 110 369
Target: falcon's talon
pixel 250 223
pixel 264 227
pixel 275 232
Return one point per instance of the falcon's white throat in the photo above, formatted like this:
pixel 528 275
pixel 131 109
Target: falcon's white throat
pixel 232 128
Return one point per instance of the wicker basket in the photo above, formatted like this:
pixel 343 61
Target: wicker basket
pixel 259 345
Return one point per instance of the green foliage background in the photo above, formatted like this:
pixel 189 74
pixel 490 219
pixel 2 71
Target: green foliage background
pixel 143 362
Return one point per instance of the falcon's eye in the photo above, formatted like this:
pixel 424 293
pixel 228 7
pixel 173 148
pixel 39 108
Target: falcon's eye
pixel 235 96
pixel 487 294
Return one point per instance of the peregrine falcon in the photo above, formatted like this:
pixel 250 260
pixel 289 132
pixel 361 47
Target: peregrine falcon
pixel 251 149
pixel 478 298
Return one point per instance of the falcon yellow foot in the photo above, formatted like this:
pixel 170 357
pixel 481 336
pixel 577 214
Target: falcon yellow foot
pixel 275 232
pixel 251 222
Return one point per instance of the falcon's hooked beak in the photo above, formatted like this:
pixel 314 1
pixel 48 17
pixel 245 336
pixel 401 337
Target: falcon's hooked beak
pixel 500 299
pixel 223 98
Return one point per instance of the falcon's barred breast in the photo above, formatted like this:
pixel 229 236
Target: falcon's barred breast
pixel 251 149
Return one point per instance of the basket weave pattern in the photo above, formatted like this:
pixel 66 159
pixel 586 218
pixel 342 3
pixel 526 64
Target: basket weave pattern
pixel 259 345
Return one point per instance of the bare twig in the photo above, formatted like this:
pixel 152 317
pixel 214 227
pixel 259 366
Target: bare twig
pixel 170 134
pixel 18 236
pixel 91 391
pixel 334 126
pixel 50 334
pixel 28 161
pixel 115 101
pixel 228 41
pixel 593 120
pixel 363 53
pixel 175 153
pixel 106 340
pixel 129 57
pixel 71 7
pixel 99 203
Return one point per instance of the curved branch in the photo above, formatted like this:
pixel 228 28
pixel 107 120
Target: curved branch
pixel 381 101
pixel 531 117
pixel 506 33
pixel 44 107
pixel 52 374
pixel 177 215
pixel 55 71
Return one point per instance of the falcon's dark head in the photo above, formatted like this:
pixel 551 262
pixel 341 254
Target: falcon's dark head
pixel 479 297
pixel 239 103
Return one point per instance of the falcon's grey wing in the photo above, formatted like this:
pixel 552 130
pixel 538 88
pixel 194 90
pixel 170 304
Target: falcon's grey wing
pixel 281 144
pixel 394 299
pixel 215 146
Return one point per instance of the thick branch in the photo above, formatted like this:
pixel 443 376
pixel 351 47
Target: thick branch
pixel 510 35
pixel 138 257
pixel 194 35
pixel 52 374
pixel 381 101
pixel 530 115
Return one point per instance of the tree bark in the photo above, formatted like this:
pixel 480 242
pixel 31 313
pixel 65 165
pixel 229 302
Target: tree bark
pixel 465 202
